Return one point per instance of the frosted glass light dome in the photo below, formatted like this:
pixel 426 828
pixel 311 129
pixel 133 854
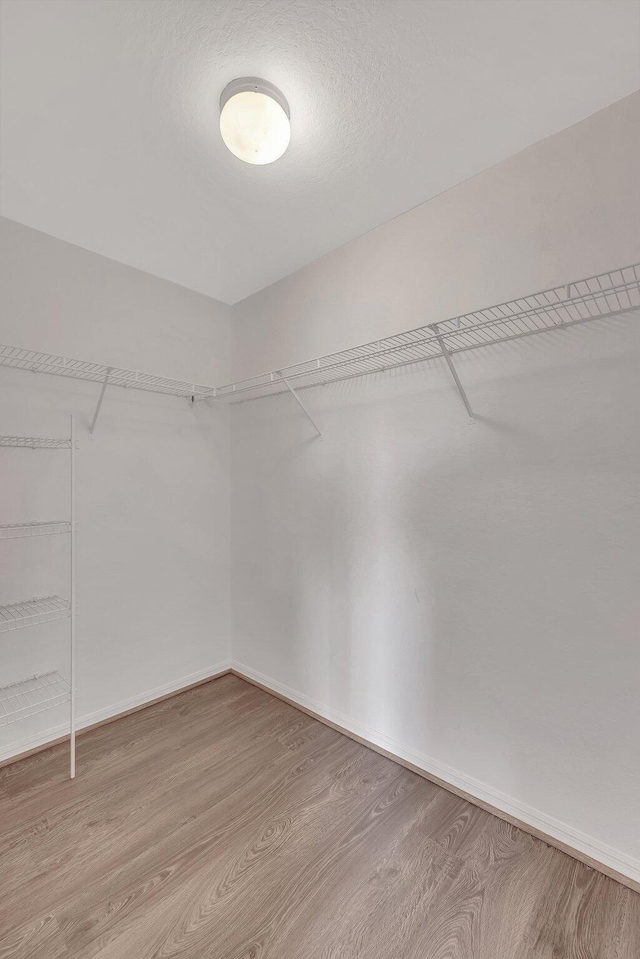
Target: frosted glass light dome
pixel 254 120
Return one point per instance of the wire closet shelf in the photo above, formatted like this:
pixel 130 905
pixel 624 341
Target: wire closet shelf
pixel 33 612
pixel 606 294
pixel 32 696
pixel 42 691
pixel 38 362
pixel 36 442
pixel 29 530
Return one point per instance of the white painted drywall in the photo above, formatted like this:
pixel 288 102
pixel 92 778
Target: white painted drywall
pixel 464 594
pixel 152 486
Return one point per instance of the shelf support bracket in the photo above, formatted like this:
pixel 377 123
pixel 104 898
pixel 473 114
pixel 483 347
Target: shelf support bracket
pixel 301 404
pixel 452 369
pixel 100 399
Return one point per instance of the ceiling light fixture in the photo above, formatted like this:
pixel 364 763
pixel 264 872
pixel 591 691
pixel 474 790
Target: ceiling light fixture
pixel 254 120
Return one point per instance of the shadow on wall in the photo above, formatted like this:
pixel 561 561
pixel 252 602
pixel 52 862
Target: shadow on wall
pixel 530 565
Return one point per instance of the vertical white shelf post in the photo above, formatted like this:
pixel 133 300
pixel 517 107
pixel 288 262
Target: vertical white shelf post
pixel 72 669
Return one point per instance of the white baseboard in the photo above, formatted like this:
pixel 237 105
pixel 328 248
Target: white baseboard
pixel 16 747
pixel 571 840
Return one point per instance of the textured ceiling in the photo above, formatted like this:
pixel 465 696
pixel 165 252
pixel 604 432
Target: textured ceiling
pixel 110 117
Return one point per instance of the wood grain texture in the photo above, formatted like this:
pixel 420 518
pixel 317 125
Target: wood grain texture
pixel 474 800
pixel 225 823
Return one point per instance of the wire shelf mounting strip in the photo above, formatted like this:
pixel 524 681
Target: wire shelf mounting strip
pixel 32 696
pixel 606 294
pixel 27 530
pixel 97 373
pixel 33 612
pixel 36 442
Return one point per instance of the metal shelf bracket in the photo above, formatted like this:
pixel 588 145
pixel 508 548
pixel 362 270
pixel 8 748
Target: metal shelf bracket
pixel 452 369
pixel 301 404
pixel 100 399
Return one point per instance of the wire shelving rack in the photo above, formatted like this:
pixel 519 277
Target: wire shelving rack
pixel 29 530
pixel 31 696
pixel 44 691
pixel 38 362
pixel 606 294
pixel 36 442
pixel 33 612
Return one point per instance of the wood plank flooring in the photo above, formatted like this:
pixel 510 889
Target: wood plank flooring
pixel 225 823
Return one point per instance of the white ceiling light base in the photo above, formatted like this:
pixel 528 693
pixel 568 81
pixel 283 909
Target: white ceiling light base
pixel 254 120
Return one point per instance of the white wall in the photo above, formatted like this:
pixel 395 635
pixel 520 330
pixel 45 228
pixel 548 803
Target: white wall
pixel 153 496
pixel 465 595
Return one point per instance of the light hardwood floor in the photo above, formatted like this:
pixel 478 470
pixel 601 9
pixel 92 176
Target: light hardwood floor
pixel 225 824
